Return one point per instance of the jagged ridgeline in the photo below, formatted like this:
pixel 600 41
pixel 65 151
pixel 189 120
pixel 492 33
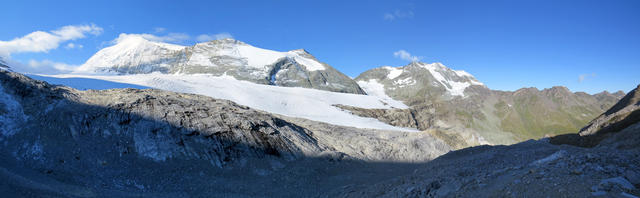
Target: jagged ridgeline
pixel 297 68
pixel 456 101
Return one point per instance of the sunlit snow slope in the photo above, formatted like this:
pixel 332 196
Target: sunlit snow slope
pixel 306 103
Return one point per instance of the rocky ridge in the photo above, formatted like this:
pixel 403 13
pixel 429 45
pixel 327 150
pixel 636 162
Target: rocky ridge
pixel 620 116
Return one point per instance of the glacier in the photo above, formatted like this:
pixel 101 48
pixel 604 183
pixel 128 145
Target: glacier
pixel 312 104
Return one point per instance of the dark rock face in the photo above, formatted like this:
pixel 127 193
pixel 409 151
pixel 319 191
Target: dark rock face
pixel 289 73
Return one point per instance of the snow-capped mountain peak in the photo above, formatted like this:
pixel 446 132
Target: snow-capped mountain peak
pixel 136 41
pixel 132 54
pixel 447 74
pixel 419 74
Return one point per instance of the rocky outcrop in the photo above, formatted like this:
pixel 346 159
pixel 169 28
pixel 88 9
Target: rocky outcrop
pixel 619 124
pixel 623 114
pixel 396 117
pixel 288 73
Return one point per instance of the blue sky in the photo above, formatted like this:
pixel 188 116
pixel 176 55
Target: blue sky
pixel 585 45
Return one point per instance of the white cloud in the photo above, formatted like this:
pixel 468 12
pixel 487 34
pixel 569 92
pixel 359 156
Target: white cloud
pixel 583 77
pixel 40 41
pixel 397 14
pixel 404 55
pixel 73 46
pixel 41 67
pixel 209 37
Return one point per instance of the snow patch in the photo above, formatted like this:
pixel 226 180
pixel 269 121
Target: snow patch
pixel 455 88
pixel 310 64
pixel 373 88
pixel 393 72
pixel 405 82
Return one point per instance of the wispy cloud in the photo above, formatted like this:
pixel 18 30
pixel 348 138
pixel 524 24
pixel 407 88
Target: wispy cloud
pixel 74 46
pixel 404 55
pixel 209 37
pixel 583 77
pixel 170 37
pixel 398 14
pixel 40 41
